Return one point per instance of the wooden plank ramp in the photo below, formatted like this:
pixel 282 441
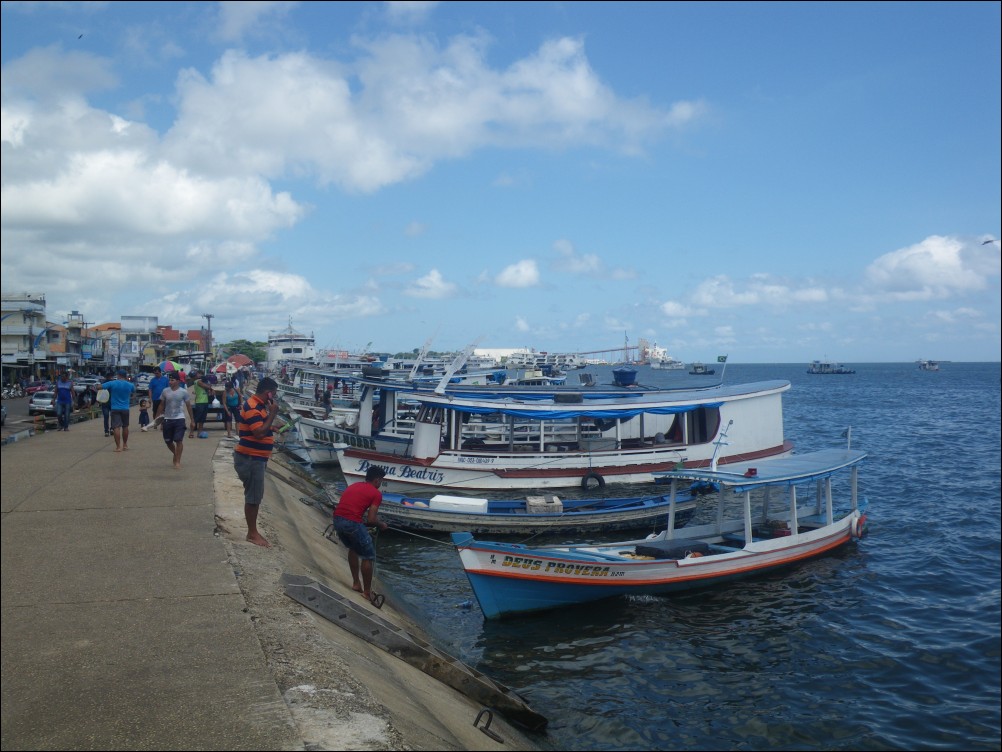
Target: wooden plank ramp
pixel 410 648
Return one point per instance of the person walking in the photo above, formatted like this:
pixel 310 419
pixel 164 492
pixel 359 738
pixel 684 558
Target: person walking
pixel 64 401
pixel 175 402
pixel 355 510
pixel 144 414
pixel 203 396
pixel 158 383
pixel 253 450
pixel 120 391
pixel 231 407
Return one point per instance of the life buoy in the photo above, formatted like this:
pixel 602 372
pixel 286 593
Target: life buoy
pixel 858 527
pixel 589 477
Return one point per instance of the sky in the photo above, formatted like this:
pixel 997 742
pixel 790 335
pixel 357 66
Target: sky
pixel 780 182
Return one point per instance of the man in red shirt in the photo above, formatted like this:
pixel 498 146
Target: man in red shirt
pixel 356 509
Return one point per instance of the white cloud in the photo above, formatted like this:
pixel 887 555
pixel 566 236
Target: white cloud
pixel 238 19
pixel 522 274
pixel 571 262
pixel 432 285
pixel 936 268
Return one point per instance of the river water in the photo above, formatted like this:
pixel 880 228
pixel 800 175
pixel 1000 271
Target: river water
pixel 891 643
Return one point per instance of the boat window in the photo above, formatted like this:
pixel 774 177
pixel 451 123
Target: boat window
pixel 702 424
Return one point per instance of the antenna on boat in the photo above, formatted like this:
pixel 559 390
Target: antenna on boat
pixel 421 355
pixel 458 363
pixel 719 443
pixel 847 435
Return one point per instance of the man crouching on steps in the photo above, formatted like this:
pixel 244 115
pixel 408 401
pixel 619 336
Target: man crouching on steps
pixel 251 455
pixel 356 509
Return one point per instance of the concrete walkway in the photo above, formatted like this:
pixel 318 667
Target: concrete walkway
pixel 123 626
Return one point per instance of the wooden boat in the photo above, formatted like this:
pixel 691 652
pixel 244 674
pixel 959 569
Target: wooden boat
pixel 539 438
pixel 928 365
pixel 745 539
pixel 532 515
pixel 700 369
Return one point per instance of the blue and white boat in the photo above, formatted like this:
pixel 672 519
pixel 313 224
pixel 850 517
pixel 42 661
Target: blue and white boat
pixel 544 514
pixel 496 438
pixel 761 524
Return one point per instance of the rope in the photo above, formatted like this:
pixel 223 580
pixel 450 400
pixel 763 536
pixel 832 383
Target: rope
pixel 423 537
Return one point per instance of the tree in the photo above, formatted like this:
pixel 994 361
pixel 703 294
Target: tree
pixel 256 351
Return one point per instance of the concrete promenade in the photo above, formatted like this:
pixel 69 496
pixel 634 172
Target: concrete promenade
pixel 123 625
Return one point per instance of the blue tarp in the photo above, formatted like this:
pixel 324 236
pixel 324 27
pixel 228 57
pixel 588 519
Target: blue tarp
pixel 623 413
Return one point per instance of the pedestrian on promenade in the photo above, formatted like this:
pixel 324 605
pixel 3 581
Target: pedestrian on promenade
pixel 120 391
pixel 231 407
pixel 354 511
pixel 64 401
pixel 174 403
pixel 203 396
pixel 251 455
pixel 158 383
pixel 144 414
pixel 327 401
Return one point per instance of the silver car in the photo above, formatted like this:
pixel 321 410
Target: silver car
pixel 42 403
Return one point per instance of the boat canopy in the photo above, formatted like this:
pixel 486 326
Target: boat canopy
pixel 783 471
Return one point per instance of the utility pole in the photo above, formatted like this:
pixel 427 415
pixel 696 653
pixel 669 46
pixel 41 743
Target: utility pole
pixel 208 322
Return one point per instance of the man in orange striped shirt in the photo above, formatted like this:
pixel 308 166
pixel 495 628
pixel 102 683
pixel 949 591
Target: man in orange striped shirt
pixel 250 457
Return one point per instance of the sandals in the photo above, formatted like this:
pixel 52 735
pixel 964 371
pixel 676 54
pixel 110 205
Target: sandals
pixel 377 600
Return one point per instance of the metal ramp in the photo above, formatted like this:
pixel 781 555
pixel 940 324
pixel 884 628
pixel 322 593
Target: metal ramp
pixel 398 642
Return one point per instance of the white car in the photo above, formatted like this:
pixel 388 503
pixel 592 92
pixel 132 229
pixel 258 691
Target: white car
pixel 83 383
pixel 42 403
pixel 143 382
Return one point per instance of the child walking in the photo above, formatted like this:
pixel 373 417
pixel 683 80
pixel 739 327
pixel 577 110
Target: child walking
pixel 144 414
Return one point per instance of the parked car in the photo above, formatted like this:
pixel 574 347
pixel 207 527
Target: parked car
pixel 42 403
pixel 83 383
pixel 37 386
pixel 143 382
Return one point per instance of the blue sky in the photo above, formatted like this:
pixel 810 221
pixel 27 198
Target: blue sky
pixel 779 182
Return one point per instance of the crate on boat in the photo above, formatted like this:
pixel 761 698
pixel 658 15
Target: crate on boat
pixel 546 504
pixel 444 503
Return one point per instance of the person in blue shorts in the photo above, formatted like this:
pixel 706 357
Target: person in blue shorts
pixel 120 403
pixel 355 509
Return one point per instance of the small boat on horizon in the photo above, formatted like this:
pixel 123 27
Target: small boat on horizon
pixel 829 367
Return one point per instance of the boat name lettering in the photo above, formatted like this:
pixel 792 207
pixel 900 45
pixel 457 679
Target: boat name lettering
pixel 583 570
pixel 553 567
pixel 432 476
pixel 519 562
pixel 342 437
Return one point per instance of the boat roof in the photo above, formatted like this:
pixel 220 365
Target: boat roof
pixel 547 395
pixel 782 471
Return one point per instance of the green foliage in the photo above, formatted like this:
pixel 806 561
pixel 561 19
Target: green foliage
pixel 256 351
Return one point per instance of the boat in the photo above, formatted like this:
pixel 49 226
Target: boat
pixel 928 365
pixel 544 514
pixel 489 438
pixel 660 360
pixel 829 367
pixel 288 345
pixel 745 538
pixel 700 369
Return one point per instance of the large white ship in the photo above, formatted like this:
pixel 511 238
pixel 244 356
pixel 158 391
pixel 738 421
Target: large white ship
pixel 289 346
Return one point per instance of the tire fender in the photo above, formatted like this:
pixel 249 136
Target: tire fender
pixel 586 481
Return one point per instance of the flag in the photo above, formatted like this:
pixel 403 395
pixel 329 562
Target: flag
pixel 845 433
pixel 721 358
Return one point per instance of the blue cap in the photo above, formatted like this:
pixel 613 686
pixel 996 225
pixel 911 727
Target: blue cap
pixel 120 372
